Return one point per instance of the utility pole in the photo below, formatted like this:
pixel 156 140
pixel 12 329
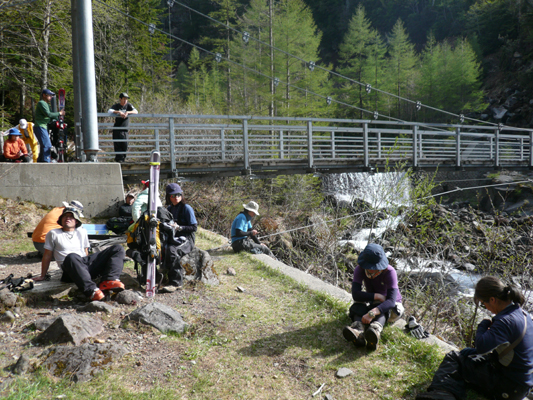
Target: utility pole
pixel 170 4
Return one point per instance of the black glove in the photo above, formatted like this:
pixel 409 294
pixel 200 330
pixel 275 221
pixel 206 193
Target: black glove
pixel 415 329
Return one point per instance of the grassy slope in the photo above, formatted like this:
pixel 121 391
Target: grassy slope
pixel 276 340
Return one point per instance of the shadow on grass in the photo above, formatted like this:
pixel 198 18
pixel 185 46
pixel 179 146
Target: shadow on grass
pixel 322 340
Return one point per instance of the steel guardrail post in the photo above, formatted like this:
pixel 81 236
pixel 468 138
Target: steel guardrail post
pixel 172 146
pixel 379 144
pixel 156 137
pixel 222 145
pixel 521 149
pixel 458 147
pixel 281 146
pixel 310 143
pixel 245 144
pixel 530 149
pixel 497 148
pixel 415 146
pixel 333 152
pixel 365 145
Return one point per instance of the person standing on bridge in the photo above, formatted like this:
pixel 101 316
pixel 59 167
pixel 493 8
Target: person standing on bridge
pixel 120 136
pixel 43 115
pixel 243 236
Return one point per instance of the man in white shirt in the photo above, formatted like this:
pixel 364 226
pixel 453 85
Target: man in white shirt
pixel 69 246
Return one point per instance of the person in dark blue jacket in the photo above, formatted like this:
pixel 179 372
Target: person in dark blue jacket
pixel 501 364
pixel 181 236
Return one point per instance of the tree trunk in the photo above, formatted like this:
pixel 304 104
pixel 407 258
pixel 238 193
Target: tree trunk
pixel 45 54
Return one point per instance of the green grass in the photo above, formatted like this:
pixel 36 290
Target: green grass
pixel 276 340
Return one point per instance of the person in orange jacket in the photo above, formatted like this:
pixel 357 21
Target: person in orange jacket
pixel 14 148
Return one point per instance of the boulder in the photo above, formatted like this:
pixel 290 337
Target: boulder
pixel 199 266
pixel 70 328
pixel 159 316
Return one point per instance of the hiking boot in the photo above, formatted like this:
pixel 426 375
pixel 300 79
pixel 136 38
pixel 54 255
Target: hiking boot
pixel 372 335
pixel 355 333
pixel 97 295
pixel 435 395
pixel 115 286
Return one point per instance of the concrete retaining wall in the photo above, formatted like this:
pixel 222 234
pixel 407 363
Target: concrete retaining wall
pixel 97 185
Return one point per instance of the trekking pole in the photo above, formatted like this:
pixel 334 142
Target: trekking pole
pixel 472 324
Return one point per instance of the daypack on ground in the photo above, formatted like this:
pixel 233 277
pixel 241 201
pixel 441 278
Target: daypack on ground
pixel 118 225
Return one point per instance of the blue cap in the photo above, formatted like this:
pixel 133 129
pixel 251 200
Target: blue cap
pixel 373 257
pixel 14 132
pixel 173 188
pixel 48 92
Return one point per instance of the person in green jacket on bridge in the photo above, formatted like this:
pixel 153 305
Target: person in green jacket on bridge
pixel 43 115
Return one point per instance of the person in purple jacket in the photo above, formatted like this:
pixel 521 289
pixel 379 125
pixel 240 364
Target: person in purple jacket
pixel 501 364
pixel 380 300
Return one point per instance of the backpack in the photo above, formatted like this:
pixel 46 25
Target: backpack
pixel 118 225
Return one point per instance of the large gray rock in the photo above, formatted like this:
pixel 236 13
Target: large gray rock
pixel 199 266
pixel 128 297
pixel 22 365
pixel 160 317
pixel 81 363
pixel 95 306
pixel 8 299
pixel 70 328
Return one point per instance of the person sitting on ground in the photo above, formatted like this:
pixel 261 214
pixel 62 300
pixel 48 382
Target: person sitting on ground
pixel 28 136
pixel 125 209
pixel 49 222
pixel 14 148
pixel 243 236
pixel 501 363
pixel 372 308
pixel 69 246
pixel 140 205
pixel 180 237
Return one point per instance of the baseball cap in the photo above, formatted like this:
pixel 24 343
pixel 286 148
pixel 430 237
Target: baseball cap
pixel 48 92
pixel 124 94
pixel 23 123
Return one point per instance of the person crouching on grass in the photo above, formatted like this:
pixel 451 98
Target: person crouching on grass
pixel 69 246
pixel 14 148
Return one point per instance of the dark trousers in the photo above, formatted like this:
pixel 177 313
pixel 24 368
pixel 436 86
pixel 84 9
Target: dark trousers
pixel 107 264
pixel 172 265
pixel 120 147
pixel 250 246
pixel 481 373
pixel 357 310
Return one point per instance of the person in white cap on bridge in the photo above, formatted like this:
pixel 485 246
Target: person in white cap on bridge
pixel 243 236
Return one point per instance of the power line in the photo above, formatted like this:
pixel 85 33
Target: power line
pixel 416 103
pixel 327 98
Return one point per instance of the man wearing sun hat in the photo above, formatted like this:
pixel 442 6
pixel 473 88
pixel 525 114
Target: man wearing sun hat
pixel 380 301
pixel 243 236
pixel 28 136
pixel 69 246
pixel 49 222
pixel 14 148
pixel 43 115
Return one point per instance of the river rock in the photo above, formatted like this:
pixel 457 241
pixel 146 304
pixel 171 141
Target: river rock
pixel 159 316
pixel 128 297
pixel 344 372
pixel 8 298
pixel 42 323
pixel 70 328
pixel 22 365
pixel 95 306
pixel 80 363
pixel 199 266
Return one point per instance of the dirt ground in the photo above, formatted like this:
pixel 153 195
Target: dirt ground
pixel 147 357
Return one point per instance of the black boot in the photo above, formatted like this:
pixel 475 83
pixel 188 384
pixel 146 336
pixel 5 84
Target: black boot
pixel 355 333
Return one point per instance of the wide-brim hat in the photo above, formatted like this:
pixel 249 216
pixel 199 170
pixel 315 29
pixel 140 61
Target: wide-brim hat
pixel 23 123
pixel 373 257
pixel 75 212
pixel 173 188
pixel 252 206
pixel 14 132
pixel 75 204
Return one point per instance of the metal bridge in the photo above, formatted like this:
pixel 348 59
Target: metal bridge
pixel 208 146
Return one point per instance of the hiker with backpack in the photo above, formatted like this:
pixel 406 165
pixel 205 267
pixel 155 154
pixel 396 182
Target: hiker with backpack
pixel 69 246
pixel 243 236
pixel 380 301
pixel 181 235
pixel 501 363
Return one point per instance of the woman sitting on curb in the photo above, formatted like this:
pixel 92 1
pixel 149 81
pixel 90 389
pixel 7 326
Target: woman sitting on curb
pixel 372 308
pixel 501 364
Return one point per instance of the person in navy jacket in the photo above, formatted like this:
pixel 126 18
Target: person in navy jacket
pixel 501 364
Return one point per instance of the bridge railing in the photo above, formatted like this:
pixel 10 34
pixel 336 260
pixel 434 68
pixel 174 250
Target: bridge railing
pixel 313 141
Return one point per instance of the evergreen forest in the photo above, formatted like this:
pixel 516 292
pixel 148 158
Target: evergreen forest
pixel 300 58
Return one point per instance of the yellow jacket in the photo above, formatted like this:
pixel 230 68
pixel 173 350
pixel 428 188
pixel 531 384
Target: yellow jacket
pixel 29 138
